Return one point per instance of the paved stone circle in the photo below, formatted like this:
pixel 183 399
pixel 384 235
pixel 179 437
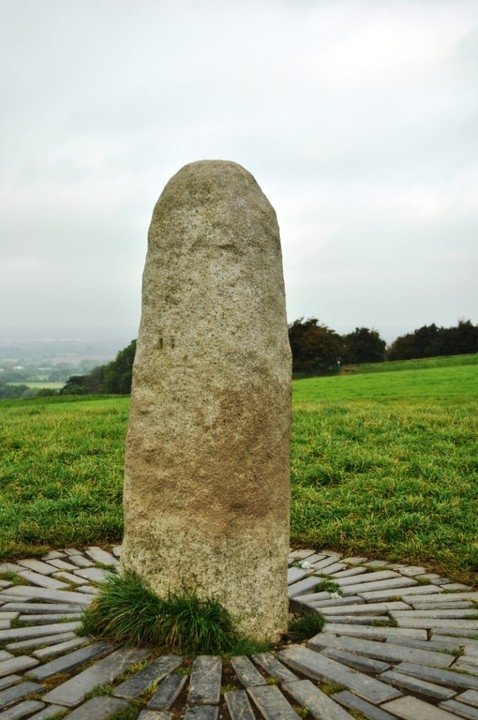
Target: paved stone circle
pixel 399 642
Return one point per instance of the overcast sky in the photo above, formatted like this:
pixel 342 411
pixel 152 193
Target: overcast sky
pixel 359 119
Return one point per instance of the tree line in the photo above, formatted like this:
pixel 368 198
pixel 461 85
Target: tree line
pixel 316 350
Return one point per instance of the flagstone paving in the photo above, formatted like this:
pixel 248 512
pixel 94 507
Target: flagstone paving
pixel 398 642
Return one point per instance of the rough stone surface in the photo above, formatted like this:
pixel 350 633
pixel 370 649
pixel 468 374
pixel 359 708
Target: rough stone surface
pixel 207 459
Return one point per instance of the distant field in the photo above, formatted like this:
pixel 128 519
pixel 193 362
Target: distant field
pixel 383 463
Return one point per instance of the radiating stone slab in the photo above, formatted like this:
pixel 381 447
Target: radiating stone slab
pixel 151 674
pixel 303 586
pixel 319 667
pixel 377 633
pixel 382 651
pixel 429 623
pixel 369 577
pixel 18 692
pixel 98 555
pixel 238 705
pixel 205 680
pixel 294 574
pixel 406 596
pixel 9 680
pixel 53 555
pixel 80 561
pixel 460 709
pixel 371 712
pixel 411 708
pixel 60 648
pixel 69 578
pixel 17 664
pixel 94 574
pixel 66 596
pixel 350 573
pixel 41 608
pixel 396 584
pixel 443 603
pixel 201 712
pixel 460 613
pixel 42 640
pixel 470 697
pixel 50 711
pixel 358 662
pixel 167 692
pixel 322 565
pixel 271 703
pixel 49 619
pixel 427 596
pixel 301 554
pixel 38 631
pixel 7 567
pixel 246 672
pixel 320 705
pixel 366 609
pixel 4 655
pixel 274 667
pixel 37 566
pixel 417 686
pixel 74 691
pixel 98 708
pixel 72 660
pixel 442 677
pixel 43 581
pixel 22 710
pixel 63 565
pixel 153 715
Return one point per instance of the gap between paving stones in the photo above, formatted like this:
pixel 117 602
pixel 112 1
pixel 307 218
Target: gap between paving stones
pixel 398 643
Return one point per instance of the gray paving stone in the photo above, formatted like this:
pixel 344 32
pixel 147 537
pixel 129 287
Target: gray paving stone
pixel 271 703
pixel 397 584
pixel 301 554
pixel 153 673
pixel 48 619
pixel 470 697
pixel 351 572
pixel 460 709
pixel 429 623
pixel 53 555
pixel 38 566
pixel 354 560
pixel 5 584
pixel 445 605
pixel 75 598
pixel 246 672
pixel 98 708
pixel 369 577
pixel 319 667
pixel 74 690
pixel 69 578
pixel 371 712
pixel 331 569
pixel 322 565
pixel 44 581
pixel 238 705
pixel 294 574
pixel 367 620
pixel 428 596
pixel 72 660
pixel 412 570
pixel 22 710
pixel 80 561
pixel 205 680
pixel 441 646
pixel 303 586
pixel 376 563
pixel 50 711
pixel 167 692
pixel 38 631
pixel 417 686
pixel 274 667
pixel 72 551
pixel 63 565
pixel 381 608
pixel 465 667
pixel 99 555
pixel 442 677
pixel 116 550
pixel 406 596
pixel 9 680
pixel 18 692
pixel 382 651
pixel 58 649
pixel 4 655
pixel 451 587
pixel 10 567
pixel 43 640
pixel 411 708
pixel 89 589
pixel 336 601
pixel 320 705
pixel 459 633
pixel 374 632
pixel 153 715
pixel 201 712
pixel 364 664
pixel 41 608
pixel 17 664
pixel 94 574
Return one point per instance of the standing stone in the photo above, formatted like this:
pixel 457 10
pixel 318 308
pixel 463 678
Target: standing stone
pixel 206 494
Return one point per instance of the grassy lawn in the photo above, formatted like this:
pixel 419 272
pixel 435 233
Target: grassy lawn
pixel 384 463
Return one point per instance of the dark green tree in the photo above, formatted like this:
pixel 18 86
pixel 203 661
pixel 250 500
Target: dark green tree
pixel 316 349
pixel 363 345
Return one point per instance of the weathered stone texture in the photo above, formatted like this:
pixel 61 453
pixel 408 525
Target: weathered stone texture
pixel 207 459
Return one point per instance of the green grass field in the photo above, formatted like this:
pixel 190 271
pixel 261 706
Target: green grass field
pixel 384 462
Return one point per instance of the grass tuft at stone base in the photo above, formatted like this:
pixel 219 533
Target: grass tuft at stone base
pixel 305 627
pixel 126 612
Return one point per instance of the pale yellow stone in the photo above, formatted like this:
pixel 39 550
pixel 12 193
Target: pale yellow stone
pixel 206 494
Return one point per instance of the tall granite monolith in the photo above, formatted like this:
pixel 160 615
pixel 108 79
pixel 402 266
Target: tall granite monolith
pixel 206 495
